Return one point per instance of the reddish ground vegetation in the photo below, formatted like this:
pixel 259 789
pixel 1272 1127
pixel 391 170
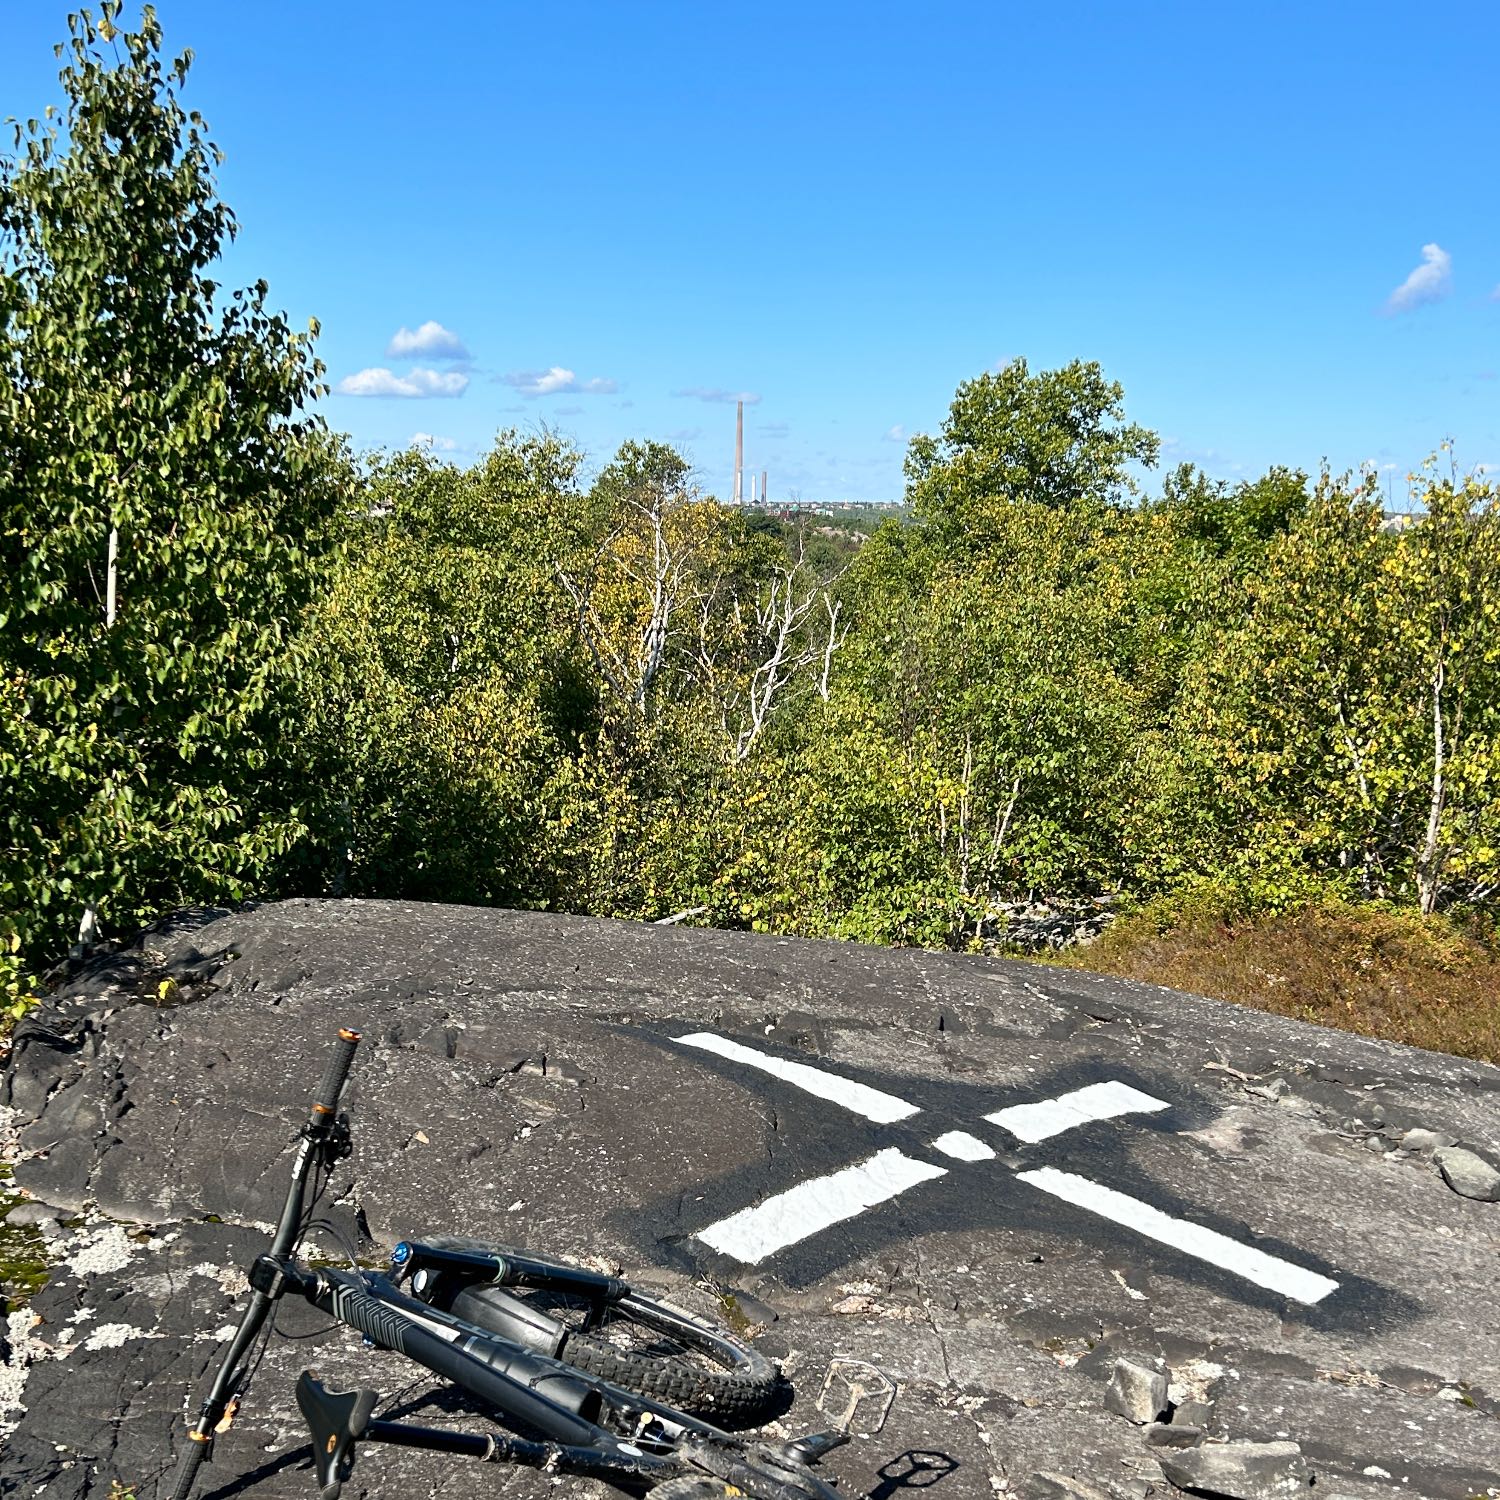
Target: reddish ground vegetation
pixel 1380 973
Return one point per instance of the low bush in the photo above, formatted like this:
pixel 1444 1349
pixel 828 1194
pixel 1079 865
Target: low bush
pixel 1381 972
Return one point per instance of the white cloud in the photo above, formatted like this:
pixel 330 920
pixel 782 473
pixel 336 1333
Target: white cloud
pixel 430 341
pixel 556 381
pixel 1430 282
pixel 414 385
pixel 707 393
pixel 428 440
pixel 896 434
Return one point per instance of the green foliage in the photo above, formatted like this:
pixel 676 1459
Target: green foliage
pixel 1350 716
pixel 1055 439
pixel 231 660
pixel 445 687
pixel 149 429
pixel 1232 521
pixel 24 1266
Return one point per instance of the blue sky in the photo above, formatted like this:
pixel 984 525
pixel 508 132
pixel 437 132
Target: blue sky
pixel 625 214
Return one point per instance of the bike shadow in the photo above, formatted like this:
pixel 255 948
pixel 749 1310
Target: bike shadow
pixel 296 1458
pixel 916 1469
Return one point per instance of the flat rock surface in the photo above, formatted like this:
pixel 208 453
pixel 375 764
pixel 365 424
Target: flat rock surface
pixel 991 1180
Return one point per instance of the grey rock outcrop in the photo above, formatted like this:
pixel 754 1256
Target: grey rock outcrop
pixel 525 1078
pixel 1468 1173
pixel 1241 1471
pixel 1136 1392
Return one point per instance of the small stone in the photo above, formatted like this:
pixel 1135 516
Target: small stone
pixel 1425 1141
pixel 32 1214
pixel 1379 1143
pixel 753 1310
pixel 859 1305
pixel 1241 1471
pixel 1272 1088
pixel 1173 1435
pixel 1468 1173
pixel 1053 1486
pixel 1193 1413
pixel 1136 1392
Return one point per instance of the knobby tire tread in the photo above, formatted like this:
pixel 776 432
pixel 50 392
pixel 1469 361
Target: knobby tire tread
pixel 731 1397
pixel 735 1394
pixel 187 1470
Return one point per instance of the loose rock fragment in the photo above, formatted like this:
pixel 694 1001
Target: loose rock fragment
pixel 1241 1471
pixel 1271 1088
pixel 1136 1392
pixel 1468 1173
pixel 1173 1435
pixel 32 1214
pixel 1050 1486
pixel 1425 1141
pixel 1193 1413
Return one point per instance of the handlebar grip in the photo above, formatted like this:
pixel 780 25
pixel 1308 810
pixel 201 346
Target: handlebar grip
pixel 327 1101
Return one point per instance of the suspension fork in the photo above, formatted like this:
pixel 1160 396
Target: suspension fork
pixel 323 1140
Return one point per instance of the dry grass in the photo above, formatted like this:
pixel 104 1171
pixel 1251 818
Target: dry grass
pixel 1380 973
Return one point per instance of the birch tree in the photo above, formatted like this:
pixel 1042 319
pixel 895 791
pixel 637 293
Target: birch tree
pixel 163 500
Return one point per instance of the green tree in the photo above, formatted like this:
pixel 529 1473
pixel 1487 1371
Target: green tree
pixel 1009 674
pixel 163 503
pixel 1442 605
pixel 1352 734
pixel 1237 520
pixel 1056 439
pixel 448 688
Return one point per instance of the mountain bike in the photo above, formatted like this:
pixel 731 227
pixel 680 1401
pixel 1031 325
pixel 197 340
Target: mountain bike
pixel 572 1368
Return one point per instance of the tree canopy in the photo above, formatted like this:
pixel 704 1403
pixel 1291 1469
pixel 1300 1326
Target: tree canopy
pixel 163 501
pixel 234 659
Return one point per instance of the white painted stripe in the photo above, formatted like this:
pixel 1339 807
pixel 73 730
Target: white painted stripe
pixel 966 1147
pixel 884 1109
pixel 1269 1271
pixel 754 1233
pixel 1099 1101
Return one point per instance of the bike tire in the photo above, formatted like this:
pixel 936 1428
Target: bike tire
pixel 655 1350
pixel 691 1487
pixel 187 1470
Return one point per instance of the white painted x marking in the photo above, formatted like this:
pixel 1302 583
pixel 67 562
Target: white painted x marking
pixel 759 1231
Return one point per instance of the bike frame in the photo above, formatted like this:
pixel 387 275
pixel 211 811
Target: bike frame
pixel 562 1406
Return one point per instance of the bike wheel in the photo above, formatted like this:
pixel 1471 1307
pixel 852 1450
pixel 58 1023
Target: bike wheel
pixel 646 1346
pixel 187 1470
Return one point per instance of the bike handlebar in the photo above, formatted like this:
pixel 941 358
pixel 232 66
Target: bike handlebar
pixel 326 1102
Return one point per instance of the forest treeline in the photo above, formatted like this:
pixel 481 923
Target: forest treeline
pixel 237 659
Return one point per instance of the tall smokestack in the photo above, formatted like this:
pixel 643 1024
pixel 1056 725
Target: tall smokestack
pixel 739 452
pixel 763 499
